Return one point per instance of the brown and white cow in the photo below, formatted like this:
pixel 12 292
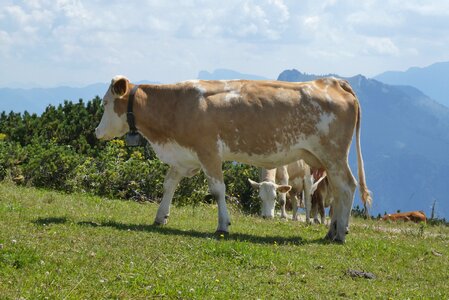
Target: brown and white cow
pixel 415 216
pixel 298 176
pixel 197 125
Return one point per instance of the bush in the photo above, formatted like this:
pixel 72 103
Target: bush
pixel 50 165
pixel 11 157
pixel 120 172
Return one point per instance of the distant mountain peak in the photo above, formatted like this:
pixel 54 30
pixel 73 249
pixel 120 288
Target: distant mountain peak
pixel 295 75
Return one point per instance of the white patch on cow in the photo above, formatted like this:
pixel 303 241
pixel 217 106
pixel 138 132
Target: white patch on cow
pixel 226 87
pixel 317 106
pixel 326 94
pixel 111 125
pixel 308 90
pixel 232 95
pixel 173 154
pixel 197 85
pixel 325 120
pixel 218 189
pixel 118 77
pixel 220 147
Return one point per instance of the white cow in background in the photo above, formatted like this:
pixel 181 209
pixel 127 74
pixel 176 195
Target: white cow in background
pixel 268 190
pixel 299 177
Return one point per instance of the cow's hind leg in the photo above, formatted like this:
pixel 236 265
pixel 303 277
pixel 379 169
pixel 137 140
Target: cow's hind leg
pixel 321 210
pixel 211 165
pixel 343 188
pixel 314 209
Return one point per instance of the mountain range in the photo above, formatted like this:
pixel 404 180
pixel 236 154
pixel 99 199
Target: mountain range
pixel 433 80
pixel 405 135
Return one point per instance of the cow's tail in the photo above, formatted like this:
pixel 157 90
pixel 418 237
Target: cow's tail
pixel 365 193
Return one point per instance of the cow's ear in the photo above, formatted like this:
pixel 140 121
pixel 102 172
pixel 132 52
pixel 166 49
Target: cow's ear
pixel 119 86
pixel 283 188
pixel 254 184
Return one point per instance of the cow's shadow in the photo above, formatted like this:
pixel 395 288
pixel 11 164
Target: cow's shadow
pixel 165 230
pixel 243 237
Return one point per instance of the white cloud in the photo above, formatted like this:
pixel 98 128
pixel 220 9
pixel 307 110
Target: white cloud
pixel 173 40
pixel 380 46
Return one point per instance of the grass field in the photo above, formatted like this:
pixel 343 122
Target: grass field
pixel 58 246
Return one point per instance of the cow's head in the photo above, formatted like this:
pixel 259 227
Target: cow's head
pixel 267 193
pixel 113 122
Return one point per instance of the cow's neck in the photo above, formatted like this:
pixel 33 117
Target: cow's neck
pixel 267 175
pixel 148 117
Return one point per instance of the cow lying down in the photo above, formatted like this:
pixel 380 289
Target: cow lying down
pixel 414 216
pixel 196 125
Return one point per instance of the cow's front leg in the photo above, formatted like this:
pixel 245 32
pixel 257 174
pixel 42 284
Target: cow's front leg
pixel 171 181
pixel 283 180
pixel 282 201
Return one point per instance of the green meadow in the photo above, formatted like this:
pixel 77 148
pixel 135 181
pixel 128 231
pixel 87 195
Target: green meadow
pixel 76 246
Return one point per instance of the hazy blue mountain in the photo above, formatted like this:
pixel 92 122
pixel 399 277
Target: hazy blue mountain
pixel 432 80
pixel 223 74
pixel 405 145
pixel 35 100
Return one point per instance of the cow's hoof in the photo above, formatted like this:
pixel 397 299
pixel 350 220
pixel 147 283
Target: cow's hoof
pixel 329 236
pixel 160 223
pixel 333 238
pixel 221 233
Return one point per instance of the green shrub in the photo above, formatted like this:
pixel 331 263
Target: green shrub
pixel 50 165
pixel 11 157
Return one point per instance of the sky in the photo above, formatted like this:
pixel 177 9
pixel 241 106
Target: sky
pixel 75 42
